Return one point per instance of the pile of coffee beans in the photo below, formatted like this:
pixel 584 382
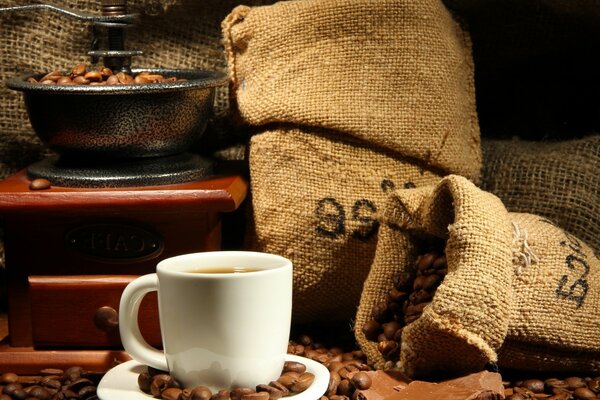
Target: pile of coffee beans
pixel 80 75
pixel 347 369
pixel 412 290
pixel 569 388
pixel 50 384
pixel 347 376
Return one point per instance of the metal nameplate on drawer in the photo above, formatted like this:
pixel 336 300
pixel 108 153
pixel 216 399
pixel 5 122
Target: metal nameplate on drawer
pixel 114 241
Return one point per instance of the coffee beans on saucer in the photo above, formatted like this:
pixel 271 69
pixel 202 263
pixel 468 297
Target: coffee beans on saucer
pixel 294 379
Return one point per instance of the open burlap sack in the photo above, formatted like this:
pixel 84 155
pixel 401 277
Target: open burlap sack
pixel 347 100
pixel 519 291
pixel 557 180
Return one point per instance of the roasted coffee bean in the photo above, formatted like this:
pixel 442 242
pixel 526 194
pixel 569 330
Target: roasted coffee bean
pixel 144 382
pixel 238 393
pixel 347 371
pixel 171 394
pixel 161 382
pixel 198 393
pixel 86 392
pixel 273 392
pixel 19 394
pixel 388 348
pixel 11 387
pixel 390 328
pixel 425 261
pixel 361 380
pixel 303 382
pixel 39 184
pixel 594 384
pixel 65 80
pixel 371 329
pixel 76 385
pixel 440 262
pixel 51 381
pixel 278 385
pixel 112 80
pixel 256 396
pixel 380 312
pixel 42 393
pixel 78 70
pixel 220 395
pixel 334 382
pixel 81 80
pixel 293 366
pixel 583 393
pixel 535 385
pixel 345 388
pixel 73 373
pixel 574 382
pixel 8 377
pixel 397 296
pixel 288 378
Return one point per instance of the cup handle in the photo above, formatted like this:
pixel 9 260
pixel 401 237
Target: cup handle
pixel 129 329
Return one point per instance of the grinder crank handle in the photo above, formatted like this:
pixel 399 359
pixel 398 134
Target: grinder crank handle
pixel 129 328
pixel 124 19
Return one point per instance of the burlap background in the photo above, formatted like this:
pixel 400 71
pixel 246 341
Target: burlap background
pixel 519 290
pixel 347 99
pixel 557 180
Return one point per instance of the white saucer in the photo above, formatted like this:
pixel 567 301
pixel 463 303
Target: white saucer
pixel 120 382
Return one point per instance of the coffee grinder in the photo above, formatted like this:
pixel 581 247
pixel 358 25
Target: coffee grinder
pixel 124 192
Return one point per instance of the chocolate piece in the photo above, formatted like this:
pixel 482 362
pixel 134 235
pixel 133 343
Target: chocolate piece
pixel 477 386
pixel 384 384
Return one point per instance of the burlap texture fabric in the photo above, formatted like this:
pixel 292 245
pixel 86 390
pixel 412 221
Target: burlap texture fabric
pixel 557 180
pixel 468 317
pixel 347 100
pixel 171 33
pixel 519 291
pixel 555 315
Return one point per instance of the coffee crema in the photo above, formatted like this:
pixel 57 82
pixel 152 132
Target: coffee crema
pixel 225 270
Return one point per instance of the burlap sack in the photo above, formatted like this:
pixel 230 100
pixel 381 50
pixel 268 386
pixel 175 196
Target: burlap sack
pixel 557 180
pixel 519 291
pixel 348 99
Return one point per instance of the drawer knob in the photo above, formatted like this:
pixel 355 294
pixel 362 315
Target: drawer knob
pixel 106 319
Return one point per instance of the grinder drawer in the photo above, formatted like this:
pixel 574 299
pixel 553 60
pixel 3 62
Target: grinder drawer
pixel 82 311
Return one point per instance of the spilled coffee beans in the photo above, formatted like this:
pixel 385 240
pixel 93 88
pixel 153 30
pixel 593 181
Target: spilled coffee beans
pixel 412 290
pixel 80 75
pixel 50 384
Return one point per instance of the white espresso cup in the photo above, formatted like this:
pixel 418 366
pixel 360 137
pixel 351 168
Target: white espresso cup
pixel 224 317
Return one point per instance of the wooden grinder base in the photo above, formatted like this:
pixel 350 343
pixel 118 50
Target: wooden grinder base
pixel 69 253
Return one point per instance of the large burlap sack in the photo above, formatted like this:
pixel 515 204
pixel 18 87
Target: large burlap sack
pixel 519 291
pixel 347 100
pixel 557 180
